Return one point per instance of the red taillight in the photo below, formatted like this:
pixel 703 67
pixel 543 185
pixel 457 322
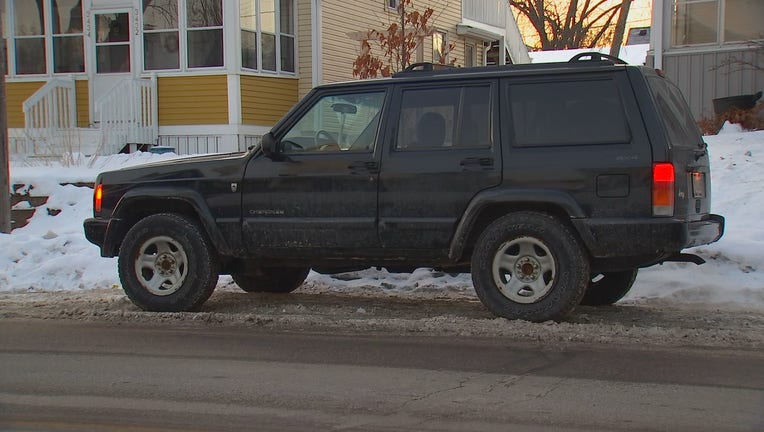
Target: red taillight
pixel 98 198
pixel 663 189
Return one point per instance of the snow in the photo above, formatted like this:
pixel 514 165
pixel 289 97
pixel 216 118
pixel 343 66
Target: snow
pixel 631 54
pixel 52 254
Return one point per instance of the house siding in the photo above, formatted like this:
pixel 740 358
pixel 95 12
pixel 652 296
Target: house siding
pixel 193 100
pixel 701 79
pixel 83 101
pixel 16 93
pixel 304 46
pixel 342 19
pixel 264 100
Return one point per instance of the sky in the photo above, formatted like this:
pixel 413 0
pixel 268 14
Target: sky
pixel 52 254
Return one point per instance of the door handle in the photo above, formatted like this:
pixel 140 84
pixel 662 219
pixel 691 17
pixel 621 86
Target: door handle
pixel 365 166
pixel 475 161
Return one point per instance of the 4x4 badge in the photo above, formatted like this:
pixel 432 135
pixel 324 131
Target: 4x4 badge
pixel 234 187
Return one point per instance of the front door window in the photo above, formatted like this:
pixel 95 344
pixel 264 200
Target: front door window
pixel 112 42
pixel 337 123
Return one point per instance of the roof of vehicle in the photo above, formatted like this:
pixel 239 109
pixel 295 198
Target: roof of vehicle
pixel 429 72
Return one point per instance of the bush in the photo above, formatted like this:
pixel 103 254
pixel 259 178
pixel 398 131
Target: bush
pixel 750 119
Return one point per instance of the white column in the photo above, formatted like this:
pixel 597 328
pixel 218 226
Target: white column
pixel 658 34
pixel 316 45
pixel 232 59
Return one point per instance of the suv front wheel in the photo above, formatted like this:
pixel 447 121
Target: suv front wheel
pixel 166 264
pixel 530 266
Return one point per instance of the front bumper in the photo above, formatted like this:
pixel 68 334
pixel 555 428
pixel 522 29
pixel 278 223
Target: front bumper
pixel 610 238
pixel 101 232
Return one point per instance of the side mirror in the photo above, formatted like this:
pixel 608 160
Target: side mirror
pixel 270 146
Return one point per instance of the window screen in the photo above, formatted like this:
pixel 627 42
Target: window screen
pixel 567 113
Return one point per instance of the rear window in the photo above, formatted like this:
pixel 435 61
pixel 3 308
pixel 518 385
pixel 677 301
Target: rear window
pixel 677 119
pixel 564 113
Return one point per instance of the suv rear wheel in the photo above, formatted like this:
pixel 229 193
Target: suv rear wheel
pixel 166 264
pixel 529 265
pixel 272 279
pixel 609 287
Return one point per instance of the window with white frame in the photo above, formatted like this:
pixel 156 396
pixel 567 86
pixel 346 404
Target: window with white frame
pixel 697 22
pixel 392 4
pixel 469 55
pixel 161 37
pixel 439 47
pixel 268 35
pixel 40 48
pixel 165 21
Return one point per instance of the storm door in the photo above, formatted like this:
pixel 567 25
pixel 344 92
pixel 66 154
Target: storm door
pixel 112 42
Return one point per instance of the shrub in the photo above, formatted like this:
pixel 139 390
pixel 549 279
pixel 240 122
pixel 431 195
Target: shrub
pixel 750 119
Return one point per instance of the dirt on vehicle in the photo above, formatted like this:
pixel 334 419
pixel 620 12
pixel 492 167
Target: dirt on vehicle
pixel 318 307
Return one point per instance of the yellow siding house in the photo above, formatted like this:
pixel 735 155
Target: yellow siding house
pixel 104 76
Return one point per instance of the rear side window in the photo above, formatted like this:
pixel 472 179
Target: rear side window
pixel 680 125
pixel 565 113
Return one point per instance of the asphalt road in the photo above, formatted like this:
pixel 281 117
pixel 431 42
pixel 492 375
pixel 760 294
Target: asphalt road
pixel 85 376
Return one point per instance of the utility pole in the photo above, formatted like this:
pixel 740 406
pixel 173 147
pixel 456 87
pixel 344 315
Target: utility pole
pixel 5 170
pixel 620 28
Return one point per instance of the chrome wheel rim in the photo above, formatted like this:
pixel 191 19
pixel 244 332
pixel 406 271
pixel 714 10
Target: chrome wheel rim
pixel 161 266
pixel 524 270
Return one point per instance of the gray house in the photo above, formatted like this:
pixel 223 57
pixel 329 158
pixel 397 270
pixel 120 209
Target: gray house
pixel 710 48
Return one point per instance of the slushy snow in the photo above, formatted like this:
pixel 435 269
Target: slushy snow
pixel 52 254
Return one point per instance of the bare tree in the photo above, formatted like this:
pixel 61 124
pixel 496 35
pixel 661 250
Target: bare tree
pixel 620 28
pixel 582 24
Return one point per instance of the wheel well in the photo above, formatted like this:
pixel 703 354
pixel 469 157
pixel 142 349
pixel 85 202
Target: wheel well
pixel 494 211
pixel 141 208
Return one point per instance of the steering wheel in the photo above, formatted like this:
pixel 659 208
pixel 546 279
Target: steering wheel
pixel 317 137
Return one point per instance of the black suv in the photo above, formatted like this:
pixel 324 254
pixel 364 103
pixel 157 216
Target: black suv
pixel 551 183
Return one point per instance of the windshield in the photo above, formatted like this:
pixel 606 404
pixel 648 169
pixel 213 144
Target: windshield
pixel 680 125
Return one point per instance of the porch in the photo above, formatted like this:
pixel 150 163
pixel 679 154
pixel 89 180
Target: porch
pixel 493 22
pixel 125 120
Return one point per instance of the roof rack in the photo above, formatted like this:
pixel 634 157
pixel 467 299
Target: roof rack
pixel 595 56
pixel 417 68
pixel 582 60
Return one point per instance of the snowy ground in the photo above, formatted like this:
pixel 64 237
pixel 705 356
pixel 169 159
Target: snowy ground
pixel 51 253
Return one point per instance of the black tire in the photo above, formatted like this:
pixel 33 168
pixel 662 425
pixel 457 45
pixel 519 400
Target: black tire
pixel 167 265
pixel 272 279
pixel 609 287
pixel 551 266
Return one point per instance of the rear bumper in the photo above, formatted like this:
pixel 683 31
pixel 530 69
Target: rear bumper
pixel 611 238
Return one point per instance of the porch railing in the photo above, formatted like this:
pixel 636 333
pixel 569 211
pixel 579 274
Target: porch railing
pixel 50 114
pixel 127 114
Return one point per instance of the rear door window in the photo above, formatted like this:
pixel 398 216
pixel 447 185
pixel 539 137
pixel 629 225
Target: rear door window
pixel 450 117
pixel 567 113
